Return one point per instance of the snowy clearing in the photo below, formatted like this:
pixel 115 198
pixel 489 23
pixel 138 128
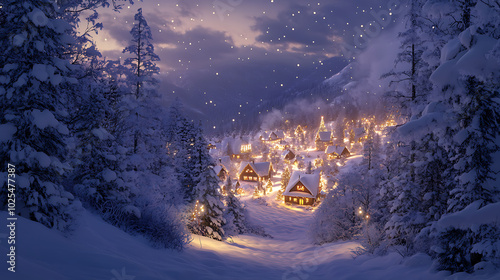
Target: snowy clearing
pixel 98 250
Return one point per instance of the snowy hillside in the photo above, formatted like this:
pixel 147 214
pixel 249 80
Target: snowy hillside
pixel 97 250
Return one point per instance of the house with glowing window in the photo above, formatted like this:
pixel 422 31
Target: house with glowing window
pixel 357 135
pixel 336 152
pixel 302 189
pixel 255 171
pixel 272 136
pixel 323 140
pixel 237 148
pixel 221 170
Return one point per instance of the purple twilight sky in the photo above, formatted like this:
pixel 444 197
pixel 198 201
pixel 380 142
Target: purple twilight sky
pixel 224 58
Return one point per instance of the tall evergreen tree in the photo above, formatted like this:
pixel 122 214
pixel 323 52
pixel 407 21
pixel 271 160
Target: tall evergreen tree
pixel 235 212
pixel 97 175
pixel 142 81
pixel 285 178
pixel 210 221
pixel 35 84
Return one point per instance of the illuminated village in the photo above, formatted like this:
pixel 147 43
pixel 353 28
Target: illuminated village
pixel 296 167
pixel 250 140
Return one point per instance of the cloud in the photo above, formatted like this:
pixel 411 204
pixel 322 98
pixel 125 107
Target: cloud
pixel 309 28
pixel 203 60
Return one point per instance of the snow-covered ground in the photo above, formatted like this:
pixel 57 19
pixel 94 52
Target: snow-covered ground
pixel 97 250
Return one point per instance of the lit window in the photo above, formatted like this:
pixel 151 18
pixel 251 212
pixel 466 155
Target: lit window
pixel 300 188
pixel 245 178
pixel 294 199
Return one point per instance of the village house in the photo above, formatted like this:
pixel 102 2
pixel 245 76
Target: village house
pixel 273 136
pixel 255 171
pixel 302 189
pixel 238 148
pixel 221 170
pixel 323 140
pixel 337 152
pixel 357 135
pixel 288 155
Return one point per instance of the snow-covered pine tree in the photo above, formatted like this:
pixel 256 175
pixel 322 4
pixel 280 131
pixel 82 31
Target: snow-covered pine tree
pixel 475 141
pixel 199 160
pixel 409 187
pixel 309 168
pixel 300 135
pixel 35 84
pixel 181 137
pixel 235 212
pixel 269 186
pixel 97 176
pixel 464 122
pixel 411 71
pixel 142 81
pixel 210 221
pixel 371 149
pixel 145 117
pixel 337 217
pixel 285 179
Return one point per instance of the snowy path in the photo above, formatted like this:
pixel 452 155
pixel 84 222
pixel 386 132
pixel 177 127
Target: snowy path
pixel 290 245
pixel 100 251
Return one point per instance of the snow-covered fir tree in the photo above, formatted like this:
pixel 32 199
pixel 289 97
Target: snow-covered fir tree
pixel 269 186
pixel 210 221
pixel 235 212
pixel 285 178
pixel 97 176
pixel 446 146
pixel 337 217
pixel 36 82
pixel 309 167
pixel 142 81
pixel 199 159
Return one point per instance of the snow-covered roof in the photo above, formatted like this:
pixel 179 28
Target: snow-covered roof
pixel 280 134
pixel 225 161
pixel 359 132
pixel 264 135
pixel 218 168
pixel 310 181
pixel 234 144
pixel 272 135
pixel 286 152
pixel 325 136
pixel 335 150
pixel 261 168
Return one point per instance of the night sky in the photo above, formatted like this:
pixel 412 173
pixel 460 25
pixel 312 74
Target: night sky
pixel 224 58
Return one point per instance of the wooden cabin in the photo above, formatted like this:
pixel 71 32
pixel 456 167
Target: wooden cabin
pixel 221 171
pixel 333 152
pixel 288 155
pixel 323 140
pixel 238 148
pixel 255 172
pixel 272 136
pixel 302 189
pixel 357 135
